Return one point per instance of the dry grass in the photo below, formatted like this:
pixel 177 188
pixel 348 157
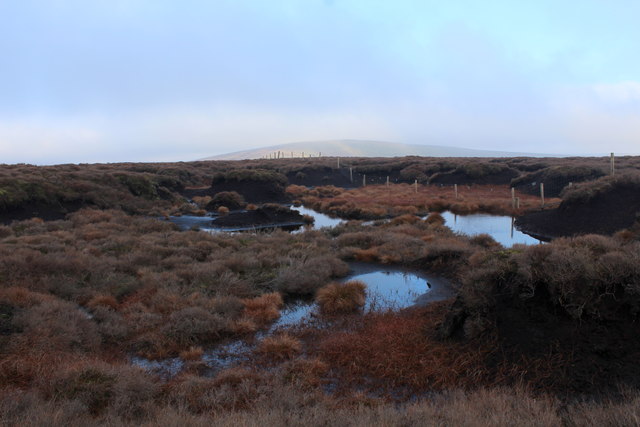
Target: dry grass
pixel 264 309
pixel 341 298
pixel 192 353
pixel 280 347
pixel 379 201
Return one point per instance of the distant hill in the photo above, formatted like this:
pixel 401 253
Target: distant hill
pixel 359 148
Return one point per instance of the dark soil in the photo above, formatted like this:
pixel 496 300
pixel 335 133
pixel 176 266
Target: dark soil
pixel 251 191
pixel 263 216
pixel 315 177
pixel 587 356
pixel 43 211
pixel 606 213
pixel 555 180
pixel 564 355
pixel 460 177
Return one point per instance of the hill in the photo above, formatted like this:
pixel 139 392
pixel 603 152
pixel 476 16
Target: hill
pixel 360 148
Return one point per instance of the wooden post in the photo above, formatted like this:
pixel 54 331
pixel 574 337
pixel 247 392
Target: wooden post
pixel 517 202
pixel 455 189
pixel 513 198
pixel 613 164
pixel 338 162
pixel 415 184
pixel 351 174
pixel 512 221
pixel 542 193
pixel 364 180
pixel 387 180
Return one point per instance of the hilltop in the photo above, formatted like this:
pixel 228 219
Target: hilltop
pixel 362 148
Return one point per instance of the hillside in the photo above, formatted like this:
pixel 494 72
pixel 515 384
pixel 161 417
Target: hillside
pixel 360 148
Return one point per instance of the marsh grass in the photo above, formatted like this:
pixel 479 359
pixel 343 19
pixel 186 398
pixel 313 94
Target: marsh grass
pixel 340 298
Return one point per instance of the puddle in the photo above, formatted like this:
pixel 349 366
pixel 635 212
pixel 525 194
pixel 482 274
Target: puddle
pixel 188 222
pixel 321 220
pixel 205 223
pixel 388 288
pixel 501 228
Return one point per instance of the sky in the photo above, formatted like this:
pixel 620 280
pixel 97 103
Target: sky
pixel 157 80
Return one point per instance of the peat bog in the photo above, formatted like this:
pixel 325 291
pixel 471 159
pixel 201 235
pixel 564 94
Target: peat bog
pixel 123 302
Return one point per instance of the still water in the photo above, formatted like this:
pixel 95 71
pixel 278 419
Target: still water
pixel 501 228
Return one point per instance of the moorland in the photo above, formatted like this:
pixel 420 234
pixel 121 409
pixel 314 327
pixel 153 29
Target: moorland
pixel 94 275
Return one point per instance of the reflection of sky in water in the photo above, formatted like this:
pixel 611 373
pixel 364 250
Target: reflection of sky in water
pixel 321 220
pixel 187 222
pixel 499 227
pixel 386 289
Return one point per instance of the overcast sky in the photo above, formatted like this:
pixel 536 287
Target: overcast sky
pixel 156 80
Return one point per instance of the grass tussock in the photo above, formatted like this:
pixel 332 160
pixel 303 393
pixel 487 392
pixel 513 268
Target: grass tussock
pixel 341 298
pixel 280 347
pixel 264 309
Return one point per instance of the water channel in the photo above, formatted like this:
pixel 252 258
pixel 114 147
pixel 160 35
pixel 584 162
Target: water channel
pixel 388 288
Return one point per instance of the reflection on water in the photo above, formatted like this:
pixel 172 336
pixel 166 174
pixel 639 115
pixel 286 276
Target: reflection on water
pixel 188 222
pixel 392 289
pixel 501 228
pixel 389 288
pixel 321 220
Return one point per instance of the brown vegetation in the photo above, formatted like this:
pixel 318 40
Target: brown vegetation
pixel 381 201
pixel 533 328
pixel 341 298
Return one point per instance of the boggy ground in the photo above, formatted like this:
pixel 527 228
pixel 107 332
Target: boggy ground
pixel 539 335
pixel 78 296
pixel 603 206
pixel 385 201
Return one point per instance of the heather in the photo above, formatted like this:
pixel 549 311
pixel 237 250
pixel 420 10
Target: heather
pixel 537 335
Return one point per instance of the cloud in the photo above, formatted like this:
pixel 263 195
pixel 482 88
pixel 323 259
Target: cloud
pixel 622 92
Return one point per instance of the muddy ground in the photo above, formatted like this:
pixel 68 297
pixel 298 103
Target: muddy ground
pixel 604 214
pixel 264 215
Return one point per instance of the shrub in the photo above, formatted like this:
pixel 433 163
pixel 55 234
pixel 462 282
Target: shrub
pixel 192 353
pixel 340 298
pixel 263 309
pixel 230 199
pixel 280 347
pixel 435 218
pixel 194 325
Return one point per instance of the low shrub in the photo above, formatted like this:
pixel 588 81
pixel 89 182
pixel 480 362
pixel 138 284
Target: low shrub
pixel 263 309
pixel 341 298
pixel 280 347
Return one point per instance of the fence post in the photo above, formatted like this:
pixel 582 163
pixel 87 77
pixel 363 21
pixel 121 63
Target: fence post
pixel 542 193
pixel 415 183
pixel 613 164
pixel 517 202
pixel 387 180
pixel 455 189
pixel 338 162
pixel 364 180
pixel 351 174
